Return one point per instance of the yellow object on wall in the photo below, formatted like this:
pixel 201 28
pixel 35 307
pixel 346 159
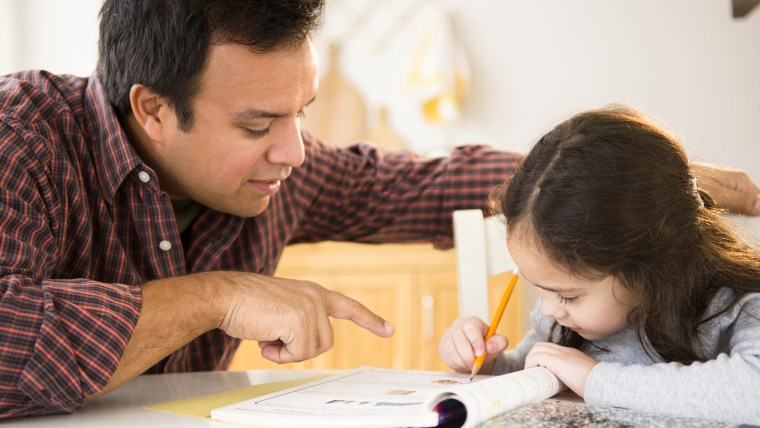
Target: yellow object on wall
pixel 440 73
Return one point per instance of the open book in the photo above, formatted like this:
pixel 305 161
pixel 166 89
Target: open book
pixel 372 397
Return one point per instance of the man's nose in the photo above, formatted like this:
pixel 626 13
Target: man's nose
pixel 288 148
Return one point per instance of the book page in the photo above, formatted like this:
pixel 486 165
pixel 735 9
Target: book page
pixel 499 394
pixel 367 397
pixel 372 397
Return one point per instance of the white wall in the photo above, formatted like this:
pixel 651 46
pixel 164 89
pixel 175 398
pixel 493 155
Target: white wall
pixel 686 63
pixel 59 36
pixel 533 62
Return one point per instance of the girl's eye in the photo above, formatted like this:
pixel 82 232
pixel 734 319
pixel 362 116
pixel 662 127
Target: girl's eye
pixel 565 300
pixel 256 133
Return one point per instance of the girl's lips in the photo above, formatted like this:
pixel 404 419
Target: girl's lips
pixel 575 329
pixel 268 188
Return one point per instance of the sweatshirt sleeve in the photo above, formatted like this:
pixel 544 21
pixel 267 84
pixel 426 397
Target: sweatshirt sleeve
pixel 514 359
pixel 726 387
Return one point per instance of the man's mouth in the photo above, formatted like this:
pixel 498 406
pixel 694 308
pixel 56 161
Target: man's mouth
pixel 267 187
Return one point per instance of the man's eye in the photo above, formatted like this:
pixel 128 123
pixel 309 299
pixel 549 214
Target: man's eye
pixel 257 133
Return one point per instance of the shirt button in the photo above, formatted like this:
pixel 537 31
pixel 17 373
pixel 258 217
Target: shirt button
pixel 165 245
pixel 144 176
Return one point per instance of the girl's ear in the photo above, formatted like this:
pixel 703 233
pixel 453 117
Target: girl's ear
pixel 149 109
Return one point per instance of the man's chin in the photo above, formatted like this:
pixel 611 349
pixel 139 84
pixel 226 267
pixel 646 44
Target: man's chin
pixel 249 210
pixel 256 210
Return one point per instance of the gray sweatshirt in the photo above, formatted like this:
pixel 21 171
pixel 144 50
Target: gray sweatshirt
pixel 726 387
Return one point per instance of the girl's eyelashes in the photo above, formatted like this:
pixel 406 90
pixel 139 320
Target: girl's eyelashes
pixel 565 300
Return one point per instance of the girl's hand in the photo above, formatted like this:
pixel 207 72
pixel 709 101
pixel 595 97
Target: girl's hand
pixel 570 365
pixel 463 341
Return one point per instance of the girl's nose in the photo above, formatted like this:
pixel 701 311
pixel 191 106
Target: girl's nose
pixel 550 307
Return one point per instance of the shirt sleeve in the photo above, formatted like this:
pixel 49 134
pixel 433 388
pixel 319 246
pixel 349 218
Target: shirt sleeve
pixel 363 193
pixel 723 388
pixel 61 339
pixel 514 359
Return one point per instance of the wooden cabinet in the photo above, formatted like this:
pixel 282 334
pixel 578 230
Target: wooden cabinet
pixel 411 285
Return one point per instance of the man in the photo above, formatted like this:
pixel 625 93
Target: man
pixel 144 209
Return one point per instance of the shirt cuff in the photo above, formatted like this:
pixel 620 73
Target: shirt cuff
pixel 85 328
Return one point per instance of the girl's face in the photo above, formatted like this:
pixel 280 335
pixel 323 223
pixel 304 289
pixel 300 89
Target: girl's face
pixel 593 309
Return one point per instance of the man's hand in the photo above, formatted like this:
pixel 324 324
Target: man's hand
pixel 731 189
pixel 289 318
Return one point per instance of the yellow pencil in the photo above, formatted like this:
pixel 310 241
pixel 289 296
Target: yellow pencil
pixel 496 319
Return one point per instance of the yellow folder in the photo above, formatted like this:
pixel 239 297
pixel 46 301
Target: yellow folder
pixel 200 407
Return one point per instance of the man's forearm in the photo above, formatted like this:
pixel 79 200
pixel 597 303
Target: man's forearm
pixel 174 312
pixel 291 317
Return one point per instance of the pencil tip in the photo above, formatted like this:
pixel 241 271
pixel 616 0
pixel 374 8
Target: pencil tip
pixel 475 369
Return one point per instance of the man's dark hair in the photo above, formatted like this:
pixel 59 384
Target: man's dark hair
pixel 163 44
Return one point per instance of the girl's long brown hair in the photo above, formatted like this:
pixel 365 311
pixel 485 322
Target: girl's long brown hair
pixel 607 192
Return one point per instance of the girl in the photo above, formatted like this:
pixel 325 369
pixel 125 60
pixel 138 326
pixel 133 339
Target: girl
pixel 647 299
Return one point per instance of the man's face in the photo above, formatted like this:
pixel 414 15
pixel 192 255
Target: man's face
pixel 245 137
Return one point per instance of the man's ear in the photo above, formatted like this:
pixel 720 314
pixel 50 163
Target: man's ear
pixel 149 109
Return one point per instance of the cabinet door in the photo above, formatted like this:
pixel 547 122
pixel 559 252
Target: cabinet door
pixel 438 306
pixel 386 294
pixel 413 286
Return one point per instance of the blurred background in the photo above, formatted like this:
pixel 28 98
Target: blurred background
pixel 429 75
pixel 432 74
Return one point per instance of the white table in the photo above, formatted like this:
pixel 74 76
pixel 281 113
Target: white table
pixel 125 406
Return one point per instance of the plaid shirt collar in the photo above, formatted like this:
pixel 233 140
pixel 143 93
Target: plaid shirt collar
pixel 113 154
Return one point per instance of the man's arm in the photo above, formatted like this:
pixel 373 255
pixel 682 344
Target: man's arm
pixel 289 318
pixel 730 188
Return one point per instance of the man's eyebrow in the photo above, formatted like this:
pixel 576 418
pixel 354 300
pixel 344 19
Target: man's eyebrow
pixel 253 114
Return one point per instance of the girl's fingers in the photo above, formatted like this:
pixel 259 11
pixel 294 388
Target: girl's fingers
pixel 474 339
pixel 496 344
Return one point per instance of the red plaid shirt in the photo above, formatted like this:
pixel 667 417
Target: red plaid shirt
pixel 82 217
